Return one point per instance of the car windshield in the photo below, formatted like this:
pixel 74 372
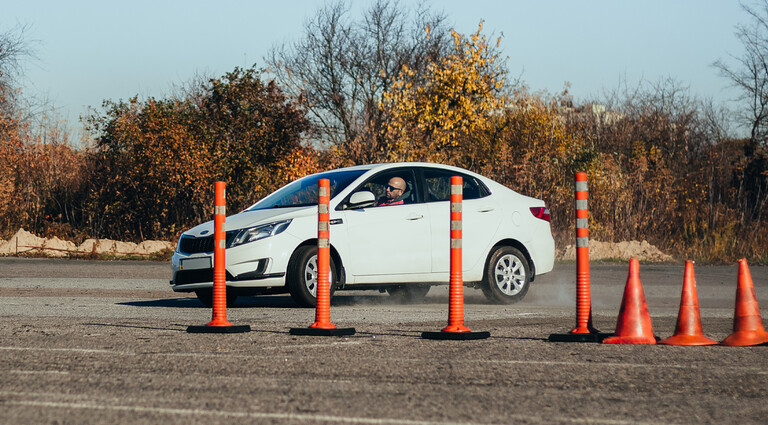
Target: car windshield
pixel 303 192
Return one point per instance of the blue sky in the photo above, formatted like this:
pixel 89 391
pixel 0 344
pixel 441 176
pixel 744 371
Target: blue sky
pixel 90 51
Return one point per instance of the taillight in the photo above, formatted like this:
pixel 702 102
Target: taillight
pixel 540 212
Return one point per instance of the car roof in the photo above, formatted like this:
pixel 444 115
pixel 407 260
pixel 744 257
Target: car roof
pixel 388 165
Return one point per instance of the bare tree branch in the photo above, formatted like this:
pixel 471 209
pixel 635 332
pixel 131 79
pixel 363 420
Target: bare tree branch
pixel 341 67
pixel 13 49
pixel 749 74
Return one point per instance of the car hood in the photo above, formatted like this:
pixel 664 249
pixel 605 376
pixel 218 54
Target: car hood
pixel 247 219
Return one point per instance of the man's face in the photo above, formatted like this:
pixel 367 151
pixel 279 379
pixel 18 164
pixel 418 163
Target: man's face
pixel 395 187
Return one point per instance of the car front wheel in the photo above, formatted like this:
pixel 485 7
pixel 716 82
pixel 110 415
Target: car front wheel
pixel 507 276
pixel 301 278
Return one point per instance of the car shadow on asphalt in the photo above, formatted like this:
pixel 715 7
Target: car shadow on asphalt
pixel 116 325
pixel 242 302
pixel 285 301
pixel 359 300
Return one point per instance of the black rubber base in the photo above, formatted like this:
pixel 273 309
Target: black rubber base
pixel 322 332
pixel 462 336
pixel 205 329
pixel 569 337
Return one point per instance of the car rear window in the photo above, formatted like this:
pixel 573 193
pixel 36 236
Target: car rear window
pixel 438 184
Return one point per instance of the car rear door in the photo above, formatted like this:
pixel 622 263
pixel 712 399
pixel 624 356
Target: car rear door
pixel 481 217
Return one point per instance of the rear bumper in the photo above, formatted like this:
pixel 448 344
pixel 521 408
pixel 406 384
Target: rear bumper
pixel 542 252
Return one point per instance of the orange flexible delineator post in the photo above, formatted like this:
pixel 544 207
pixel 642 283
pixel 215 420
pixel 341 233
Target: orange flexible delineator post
pixel 688 330
pixel 634 323
pixel 747 324
pixel 456 328
pixel 219 323
pixel 583 332
pixel 323 325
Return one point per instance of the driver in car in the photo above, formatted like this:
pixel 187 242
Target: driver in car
pixel 393 190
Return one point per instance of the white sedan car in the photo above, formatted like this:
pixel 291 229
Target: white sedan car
pixel 402 248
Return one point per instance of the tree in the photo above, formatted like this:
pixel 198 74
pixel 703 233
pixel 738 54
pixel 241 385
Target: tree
pixel 12 50
pixel 252 128
pixel 663 171
pixel 750 76
pixel 149 173
pixel 156 160
pixel 341 69
pixel 41 175
pixel 750 73
pixel 435 112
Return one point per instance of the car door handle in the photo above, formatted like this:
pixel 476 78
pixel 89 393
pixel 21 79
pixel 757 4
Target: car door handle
pixel 486 209
pixel 414 217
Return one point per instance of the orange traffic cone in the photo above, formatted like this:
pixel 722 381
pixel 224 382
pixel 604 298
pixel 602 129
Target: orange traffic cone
pixel 634 323
pixel 747 324
pixel 688 330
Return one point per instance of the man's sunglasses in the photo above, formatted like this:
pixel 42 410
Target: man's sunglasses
pixel 392 188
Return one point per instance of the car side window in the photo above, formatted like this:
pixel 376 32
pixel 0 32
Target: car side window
pixel 391 188
pixel 438 184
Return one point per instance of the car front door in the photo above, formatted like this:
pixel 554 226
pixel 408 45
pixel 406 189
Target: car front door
pixel 388 240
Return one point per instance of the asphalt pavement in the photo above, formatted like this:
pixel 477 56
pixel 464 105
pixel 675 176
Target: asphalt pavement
pixel 106 342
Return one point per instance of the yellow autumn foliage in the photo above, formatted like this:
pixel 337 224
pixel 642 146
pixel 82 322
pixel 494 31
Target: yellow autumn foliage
pixel 431 114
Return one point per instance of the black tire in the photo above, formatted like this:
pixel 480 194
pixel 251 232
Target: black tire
pixel 507 276
pixel 408 294
pixel 301 278
pixel 206 297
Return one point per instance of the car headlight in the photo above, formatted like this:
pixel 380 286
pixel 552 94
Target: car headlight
pixel 252 234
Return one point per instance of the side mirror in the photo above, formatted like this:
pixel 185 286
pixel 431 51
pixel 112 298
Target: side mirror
pixel 361 200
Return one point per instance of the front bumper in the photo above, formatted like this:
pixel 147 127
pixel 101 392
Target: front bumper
pixel 261 264
pixel 185 279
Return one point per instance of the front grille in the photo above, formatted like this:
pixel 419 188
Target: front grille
pixel 193 245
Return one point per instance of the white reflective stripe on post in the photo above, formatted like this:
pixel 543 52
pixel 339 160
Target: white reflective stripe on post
pixel 220 209
pixel 455 206
pixel 322 209
pixel 455 243
pixel 581 204
pixel 581 186
pixel 582 242
pixel 455 224
pixel 582 223
pixel 323 191
pixel 323 243
pixel 322 225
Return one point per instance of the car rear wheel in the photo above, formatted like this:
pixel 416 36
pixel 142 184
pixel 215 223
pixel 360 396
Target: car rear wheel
pixel 302 276
pixel 206 297
pixel 507 276
pixel 408 294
